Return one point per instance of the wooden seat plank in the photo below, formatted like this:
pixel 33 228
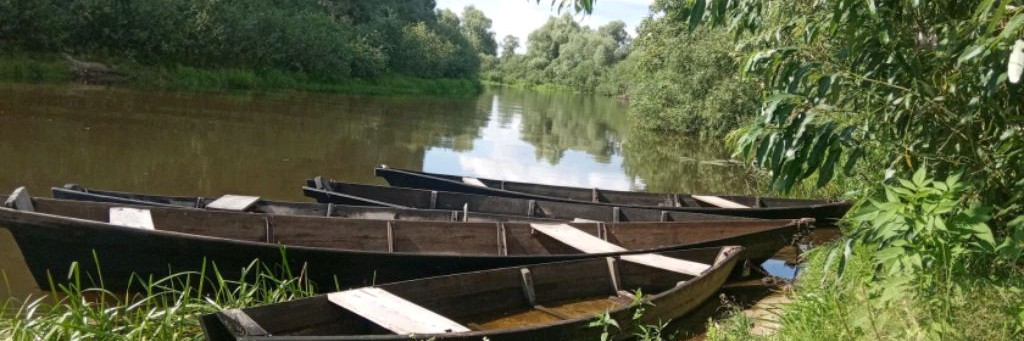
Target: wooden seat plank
pixel 131 217
pixel 473 181
pixel 667 263
pixel 718 201
pixel 394 313
pixel 231 202
pixel 577 239
pixel 588 243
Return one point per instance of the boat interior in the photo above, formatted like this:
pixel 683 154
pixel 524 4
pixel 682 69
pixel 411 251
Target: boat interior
pixel 519 297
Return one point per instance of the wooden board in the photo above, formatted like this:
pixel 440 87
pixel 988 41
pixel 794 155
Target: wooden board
pixel 577 239
pixel 590 244
pixel 230 202
pixel 473 181
pixel 667 263
pixel 394 313
pixel 131 217
pixel 20 200
pixel 718 201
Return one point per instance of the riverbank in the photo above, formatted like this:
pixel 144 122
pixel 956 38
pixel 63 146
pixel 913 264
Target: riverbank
pixel 51 68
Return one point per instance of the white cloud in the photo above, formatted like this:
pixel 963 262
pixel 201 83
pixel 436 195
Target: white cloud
pixel 520 17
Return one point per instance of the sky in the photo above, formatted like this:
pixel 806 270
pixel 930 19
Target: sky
pixel 520 17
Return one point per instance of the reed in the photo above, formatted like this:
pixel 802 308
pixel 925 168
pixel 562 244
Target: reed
pixel 156 309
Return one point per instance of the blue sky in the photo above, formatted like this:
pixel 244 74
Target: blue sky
pixel 520 17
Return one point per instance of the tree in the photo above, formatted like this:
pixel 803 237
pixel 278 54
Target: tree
pixel 509 45
pixel 477 29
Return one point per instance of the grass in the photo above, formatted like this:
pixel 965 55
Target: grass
pixel 827 306
pixel 157 309
pixel 49 68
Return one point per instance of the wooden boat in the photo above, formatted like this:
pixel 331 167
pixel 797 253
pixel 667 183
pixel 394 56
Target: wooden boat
pixel 552 301
pixel 259 205
pixel 823 211
pixel 326 191
pixel 155 241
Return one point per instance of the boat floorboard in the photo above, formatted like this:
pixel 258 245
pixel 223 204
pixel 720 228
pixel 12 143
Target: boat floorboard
pixel 572 309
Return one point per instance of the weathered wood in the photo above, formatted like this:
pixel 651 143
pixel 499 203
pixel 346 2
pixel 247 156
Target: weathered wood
pixel 527 283
pixel 502 240
pixel 552 312
pixel 577 239
pixel 241 323
pixel 561 301
pixel 585 242
pixel 718 201
pixel 772 208
pixel 231 202
pixel 343 252
pixel 473 181
pixel 613 273
pixel 131 217
pixel 20 200
pixel 394 313
pixel 667 263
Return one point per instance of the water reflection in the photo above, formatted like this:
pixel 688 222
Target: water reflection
pixel 180 143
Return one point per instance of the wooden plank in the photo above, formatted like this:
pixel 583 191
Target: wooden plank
pixel 577 239
pixel 581 220
pixel 473 181
pixel 527 282
pixel 131 217
pixel 231 202
pixel 394 313
pixel 718 201
pixel 613 273
pixel 667 263
pixel 238 320
pixel 20 200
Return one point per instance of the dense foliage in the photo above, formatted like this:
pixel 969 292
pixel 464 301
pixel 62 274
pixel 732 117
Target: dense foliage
pixel 878 90
pixel 325 39
pixel 565 54
pixel 685 81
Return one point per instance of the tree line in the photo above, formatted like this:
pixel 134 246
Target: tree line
pixel 326 40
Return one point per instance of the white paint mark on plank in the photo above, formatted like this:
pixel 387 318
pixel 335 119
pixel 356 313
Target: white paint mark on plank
pixel 394 313
pixel 718 201
pixel 473 181
pixel 131 217
pixel 582 220
pixel 232 202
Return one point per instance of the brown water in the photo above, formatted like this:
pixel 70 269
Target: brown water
pixel 211 144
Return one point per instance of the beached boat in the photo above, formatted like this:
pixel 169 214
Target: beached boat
pixel 51 234
pixel 252 204
pixel 345 193
pixel 553 301
pixel 824 211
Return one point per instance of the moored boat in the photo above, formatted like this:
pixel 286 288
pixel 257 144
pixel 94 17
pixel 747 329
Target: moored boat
pixel 823 211
pixel 552 301
pixel 337 192
pixel 259 205
pixel 127 240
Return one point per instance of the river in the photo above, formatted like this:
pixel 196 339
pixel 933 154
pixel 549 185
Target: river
pixel 268 144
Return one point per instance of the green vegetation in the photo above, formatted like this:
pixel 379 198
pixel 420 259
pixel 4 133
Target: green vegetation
pixel 345 46
pixel 164 309
pixel 898 99
pixel 564 54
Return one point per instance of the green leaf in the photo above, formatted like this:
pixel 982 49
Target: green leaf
pixel 970 53
pixel 697 13
pixel 919 177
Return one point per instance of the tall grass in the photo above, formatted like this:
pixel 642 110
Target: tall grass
pixel 155 309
